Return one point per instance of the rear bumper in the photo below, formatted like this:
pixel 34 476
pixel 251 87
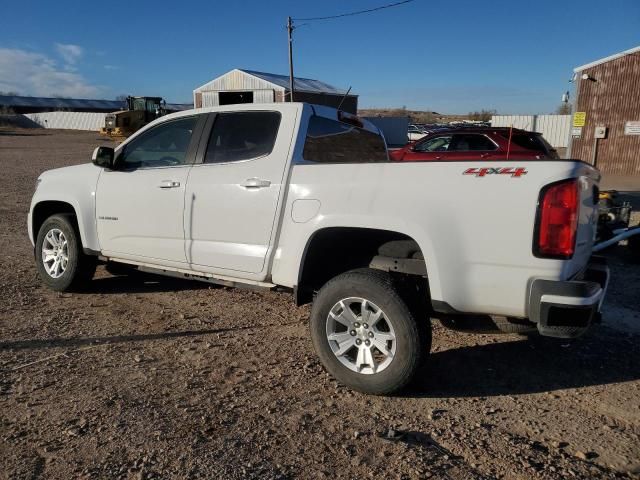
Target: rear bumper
pixel 566 309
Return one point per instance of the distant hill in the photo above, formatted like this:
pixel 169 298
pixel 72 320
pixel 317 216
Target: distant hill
pixel 416 116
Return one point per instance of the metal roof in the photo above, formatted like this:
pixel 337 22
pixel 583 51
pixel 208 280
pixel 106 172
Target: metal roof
pixel 238 79
pixel 178 107
pixel 70 103
pixel 607 59
pixel 76 103
pixel 300 84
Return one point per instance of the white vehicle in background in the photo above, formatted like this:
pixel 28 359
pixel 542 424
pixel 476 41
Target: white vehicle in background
pixel 415 133
pixel 304 197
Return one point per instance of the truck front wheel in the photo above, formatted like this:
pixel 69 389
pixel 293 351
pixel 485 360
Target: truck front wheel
pixel 60 261
pixel 365 333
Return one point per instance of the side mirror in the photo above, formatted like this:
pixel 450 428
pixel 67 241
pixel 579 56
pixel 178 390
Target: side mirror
pixel 103 157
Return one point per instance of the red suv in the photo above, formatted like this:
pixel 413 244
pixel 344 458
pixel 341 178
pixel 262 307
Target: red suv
pixel 484 143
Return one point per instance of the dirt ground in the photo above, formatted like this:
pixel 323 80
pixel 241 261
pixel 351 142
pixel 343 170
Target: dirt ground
pixel 149 377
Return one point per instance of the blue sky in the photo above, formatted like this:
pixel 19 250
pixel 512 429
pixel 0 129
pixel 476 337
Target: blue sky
pixel 451 57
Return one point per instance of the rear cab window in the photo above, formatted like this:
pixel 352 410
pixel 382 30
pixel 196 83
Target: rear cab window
pixel 332 141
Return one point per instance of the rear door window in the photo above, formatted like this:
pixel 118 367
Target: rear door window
pixel 470 142
pixel 529 141
pixel 242 136
pixel 330 141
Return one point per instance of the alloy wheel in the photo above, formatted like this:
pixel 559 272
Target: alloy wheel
pixel 55 253
pixel 360 335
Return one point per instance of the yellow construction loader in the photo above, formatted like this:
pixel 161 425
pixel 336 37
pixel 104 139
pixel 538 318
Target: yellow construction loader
pixel 140 111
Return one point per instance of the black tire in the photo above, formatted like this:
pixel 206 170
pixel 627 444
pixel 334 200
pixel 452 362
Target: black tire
pixel 412 329
pixel 79 267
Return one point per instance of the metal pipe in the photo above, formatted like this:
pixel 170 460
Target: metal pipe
pixel 291 80
pixel 594 158
pixel 629 232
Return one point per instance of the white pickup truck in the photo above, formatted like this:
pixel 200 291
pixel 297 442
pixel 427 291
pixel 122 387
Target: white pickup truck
pixel 303 197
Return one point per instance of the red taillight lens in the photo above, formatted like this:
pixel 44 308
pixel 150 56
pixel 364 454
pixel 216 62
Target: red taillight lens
pixel 557 220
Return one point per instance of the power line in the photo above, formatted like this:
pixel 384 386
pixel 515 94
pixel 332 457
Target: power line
pixel 291 28
pixel 311 19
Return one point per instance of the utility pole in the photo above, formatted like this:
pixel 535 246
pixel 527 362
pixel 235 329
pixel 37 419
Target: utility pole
pixel 289 33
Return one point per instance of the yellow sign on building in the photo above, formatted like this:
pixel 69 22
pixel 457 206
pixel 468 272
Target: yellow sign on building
pixel 579 119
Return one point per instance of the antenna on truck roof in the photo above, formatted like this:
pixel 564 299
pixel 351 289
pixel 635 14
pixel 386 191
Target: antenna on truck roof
pixel 343 97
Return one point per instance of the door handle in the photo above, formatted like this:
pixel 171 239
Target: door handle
pixel 255 183
pixel 485 155
pixel 168 184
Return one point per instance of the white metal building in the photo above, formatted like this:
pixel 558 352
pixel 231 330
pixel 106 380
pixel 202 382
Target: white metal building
pixel 68 120
pixel 554 128
pixel 68 113
pixel 250 86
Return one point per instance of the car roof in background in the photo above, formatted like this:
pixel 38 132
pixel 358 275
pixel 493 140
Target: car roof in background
pixel 472 129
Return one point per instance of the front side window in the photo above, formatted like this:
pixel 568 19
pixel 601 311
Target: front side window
pixel 242 136
pixel 330 141
pixel 163 146
pixel 435 144
pixel 471 143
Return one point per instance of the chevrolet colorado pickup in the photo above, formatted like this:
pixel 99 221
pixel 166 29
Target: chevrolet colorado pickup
pixel 304 197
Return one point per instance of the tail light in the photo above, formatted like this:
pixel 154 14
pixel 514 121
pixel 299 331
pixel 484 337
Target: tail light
pixel 557 220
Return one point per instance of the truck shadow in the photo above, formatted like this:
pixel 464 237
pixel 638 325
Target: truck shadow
pixel 529 366
pixel 111 340
pixel 140 282
pixel 13 133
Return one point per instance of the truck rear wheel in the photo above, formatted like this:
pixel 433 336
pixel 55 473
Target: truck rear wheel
pixel 60 261
pixel 366 335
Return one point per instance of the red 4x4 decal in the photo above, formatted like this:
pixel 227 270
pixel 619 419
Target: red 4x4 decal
pixel 481 172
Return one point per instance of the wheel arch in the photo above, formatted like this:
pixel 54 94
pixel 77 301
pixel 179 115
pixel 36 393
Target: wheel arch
pixel 333 250
pixel 46 208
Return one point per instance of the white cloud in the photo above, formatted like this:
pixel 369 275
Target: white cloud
pixel 32 73
pixel 69 52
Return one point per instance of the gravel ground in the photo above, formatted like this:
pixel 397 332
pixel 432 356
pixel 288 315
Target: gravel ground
pixel 149 377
